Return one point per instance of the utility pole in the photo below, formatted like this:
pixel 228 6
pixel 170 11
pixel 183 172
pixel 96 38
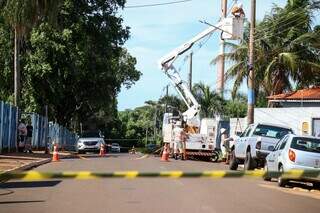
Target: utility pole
pixel 251 94
pixel 190 72
pixel 220 73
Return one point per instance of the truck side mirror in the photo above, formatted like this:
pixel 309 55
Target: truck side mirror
pixel 239 133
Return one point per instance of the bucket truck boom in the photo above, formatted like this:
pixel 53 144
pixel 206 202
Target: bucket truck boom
pixel 204 144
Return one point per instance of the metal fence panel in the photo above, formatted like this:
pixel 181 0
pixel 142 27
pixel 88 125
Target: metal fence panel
pixel 8 127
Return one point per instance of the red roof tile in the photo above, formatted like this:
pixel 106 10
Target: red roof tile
pixel 303 94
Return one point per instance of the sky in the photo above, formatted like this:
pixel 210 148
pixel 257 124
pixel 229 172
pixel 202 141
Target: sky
pixel 155 31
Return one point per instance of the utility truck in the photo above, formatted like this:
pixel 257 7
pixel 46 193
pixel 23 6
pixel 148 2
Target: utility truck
pixel 204 137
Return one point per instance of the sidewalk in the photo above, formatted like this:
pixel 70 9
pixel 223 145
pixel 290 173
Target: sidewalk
pixel 25 161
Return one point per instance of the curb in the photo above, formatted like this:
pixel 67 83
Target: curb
pixel 36 164
pixel 29 165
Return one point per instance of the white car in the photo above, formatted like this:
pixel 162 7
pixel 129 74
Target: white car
pixel 294 152
pixel 115 147
pixel 89 142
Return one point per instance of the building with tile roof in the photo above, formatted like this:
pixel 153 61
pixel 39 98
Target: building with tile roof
pixel 309 97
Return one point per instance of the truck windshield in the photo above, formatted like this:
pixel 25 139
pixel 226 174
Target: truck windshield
pixel 271 131
pixel 306 144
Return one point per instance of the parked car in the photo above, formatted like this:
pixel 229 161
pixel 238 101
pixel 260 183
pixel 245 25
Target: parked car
pixel 115 147
pixel 90 142
pixel 254 144
pixel 295 152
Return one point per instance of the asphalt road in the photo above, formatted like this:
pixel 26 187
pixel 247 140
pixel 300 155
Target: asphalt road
pixel 151 195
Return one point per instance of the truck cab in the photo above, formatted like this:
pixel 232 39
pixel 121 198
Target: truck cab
pixel 255 143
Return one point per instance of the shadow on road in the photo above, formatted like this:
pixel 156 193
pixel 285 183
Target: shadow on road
pixel 29 184
pixel 21 201
pixel 294 184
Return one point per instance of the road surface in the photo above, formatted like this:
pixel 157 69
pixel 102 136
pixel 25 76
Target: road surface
pixel 150 195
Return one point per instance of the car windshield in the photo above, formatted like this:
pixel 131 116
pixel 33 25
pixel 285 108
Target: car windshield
pixel 90 135
pixel 115 144
pixel 306 144
pixel 271 131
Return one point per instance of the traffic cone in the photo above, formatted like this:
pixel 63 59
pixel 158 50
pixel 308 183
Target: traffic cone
pixel 165 153
pixel 102 150
pixel 55 156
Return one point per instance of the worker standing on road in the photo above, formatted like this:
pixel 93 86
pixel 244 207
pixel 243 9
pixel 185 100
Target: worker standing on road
pixel 184 138
pixel 223 147
pixel 177 135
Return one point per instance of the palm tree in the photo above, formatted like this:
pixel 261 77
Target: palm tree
pixel 211 103
pixel 22 15
pixel 286 50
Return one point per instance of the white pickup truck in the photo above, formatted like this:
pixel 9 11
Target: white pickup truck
pixel 254 144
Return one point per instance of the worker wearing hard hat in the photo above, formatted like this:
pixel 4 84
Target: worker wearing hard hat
pixel 237 10
pixel 178 136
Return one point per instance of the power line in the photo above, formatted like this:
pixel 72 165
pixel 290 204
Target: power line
pixel 159 4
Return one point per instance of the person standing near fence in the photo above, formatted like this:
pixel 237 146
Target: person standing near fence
pixel 28 146
pixel 22 132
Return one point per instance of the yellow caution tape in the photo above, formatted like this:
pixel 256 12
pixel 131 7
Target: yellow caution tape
pixel 85 175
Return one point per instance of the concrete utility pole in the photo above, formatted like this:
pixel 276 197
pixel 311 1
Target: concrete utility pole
pixel 190 72
pixel 220 73
pixel 251 95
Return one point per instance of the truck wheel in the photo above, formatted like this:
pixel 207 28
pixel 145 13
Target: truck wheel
pixel 214 157
pixel 282 182
pixel 249 163
pixel 233 161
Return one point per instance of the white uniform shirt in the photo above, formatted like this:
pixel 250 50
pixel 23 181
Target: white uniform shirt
pixel 177 132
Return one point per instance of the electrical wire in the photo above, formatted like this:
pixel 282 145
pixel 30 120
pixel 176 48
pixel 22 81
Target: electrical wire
pixel 155 5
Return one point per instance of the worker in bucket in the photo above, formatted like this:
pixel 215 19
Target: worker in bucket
pixel 177 135
pixel 237 11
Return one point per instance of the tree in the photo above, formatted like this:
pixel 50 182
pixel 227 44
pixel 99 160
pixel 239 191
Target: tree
pixel 76 65
pixel 22 15
pixel 211 103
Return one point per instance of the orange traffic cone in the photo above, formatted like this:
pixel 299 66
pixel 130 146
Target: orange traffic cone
pixel 102 150
pixel 165 153
pixel 55 156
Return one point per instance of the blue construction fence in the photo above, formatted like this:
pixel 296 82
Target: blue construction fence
pixel 8 127
pixel 43 131
pixel 62 136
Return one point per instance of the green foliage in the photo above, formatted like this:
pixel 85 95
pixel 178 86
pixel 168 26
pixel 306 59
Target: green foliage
pixel 286 51
pixel 76 65
pixel 211 103
pixel 6 61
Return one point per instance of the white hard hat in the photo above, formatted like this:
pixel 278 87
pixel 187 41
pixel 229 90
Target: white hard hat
pixel 223 130
pixel 240 5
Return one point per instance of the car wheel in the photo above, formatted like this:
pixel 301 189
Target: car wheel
pixel 316 185
pixel 233 165
pixel 266 176
pixel 249 163
pixel 281 181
